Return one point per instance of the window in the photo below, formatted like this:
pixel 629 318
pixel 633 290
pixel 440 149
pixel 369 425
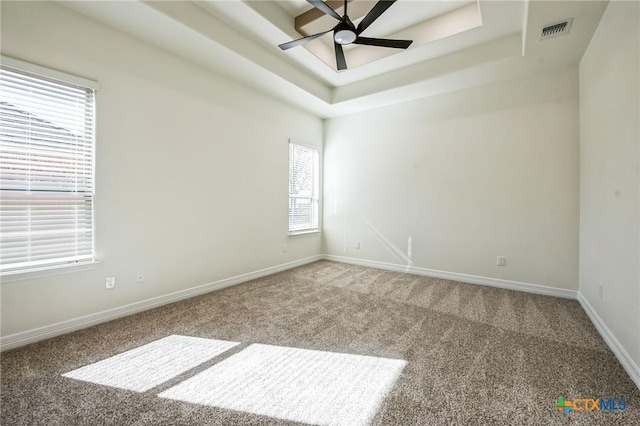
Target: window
pixel 46 168
pixel 303 189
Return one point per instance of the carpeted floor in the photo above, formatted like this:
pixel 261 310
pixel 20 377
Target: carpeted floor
pixel 375 346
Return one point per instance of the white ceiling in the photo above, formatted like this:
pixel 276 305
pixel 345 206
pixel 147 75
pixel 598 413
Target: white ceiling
pixel 239 39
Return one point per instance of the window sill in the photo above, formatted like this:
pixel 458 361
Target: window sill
pixel 307 232
pixel 48 271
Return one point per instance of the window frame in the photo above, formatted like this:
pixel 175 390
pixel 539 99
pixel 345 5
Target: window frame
pixel 57 266
pixel 316 198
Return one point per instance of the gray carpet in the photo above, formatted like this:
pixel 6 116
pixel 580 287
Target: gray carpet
pixel 462 354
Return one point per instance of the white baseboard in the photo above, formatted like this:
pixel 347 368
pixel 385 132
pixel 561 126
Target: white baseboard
pixel 618 350
pixel 455 276
pixel 31 336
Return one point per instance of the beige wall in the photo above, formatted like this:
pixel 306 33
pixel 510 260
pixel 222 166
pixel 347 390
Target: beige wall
pixel 191 183
pixel 461 178
pixel 609 174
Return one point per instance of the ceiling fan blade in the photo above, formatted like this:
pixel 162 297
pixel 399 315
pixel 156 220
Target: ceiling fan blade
pixel 322 6
pixel 374 14
pixel 303 40
pixel 383 42
pixel 341 62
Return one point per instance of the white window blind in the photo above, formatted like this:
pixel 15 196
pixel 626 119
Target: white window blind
pixel 46 171
pixel 303 188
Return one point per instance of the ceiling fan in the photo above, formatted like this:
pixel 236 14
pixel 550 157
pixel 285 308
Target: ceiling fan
pixel 345 32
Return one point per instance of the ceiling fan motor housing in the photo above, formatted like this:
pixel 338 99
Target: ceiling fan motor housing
pixel 344 33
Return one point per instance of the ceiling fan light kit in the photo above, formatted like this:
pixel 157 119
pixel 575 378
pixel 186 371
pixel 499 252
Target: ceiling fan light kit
pixel 344 36
pixel 345 32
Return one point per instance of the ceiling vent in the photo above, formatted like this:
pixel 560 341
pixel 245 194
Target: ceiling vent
pixel 555 30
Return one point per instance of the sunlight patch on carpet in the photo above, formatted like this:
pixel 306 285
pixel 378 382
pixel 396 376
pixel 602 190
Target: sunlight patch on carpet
pixel 316 387
pixel 150 365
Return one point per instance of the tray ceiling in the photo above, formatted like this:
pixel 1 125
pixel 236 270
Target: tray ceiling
pixel 457 44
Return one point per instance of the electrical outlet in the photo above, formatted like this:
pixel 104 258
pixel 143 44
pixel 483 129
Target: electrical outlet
pixel 284 247
pixel 357 245
pixel 110 283
pixel 500 260
pixel 140 277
